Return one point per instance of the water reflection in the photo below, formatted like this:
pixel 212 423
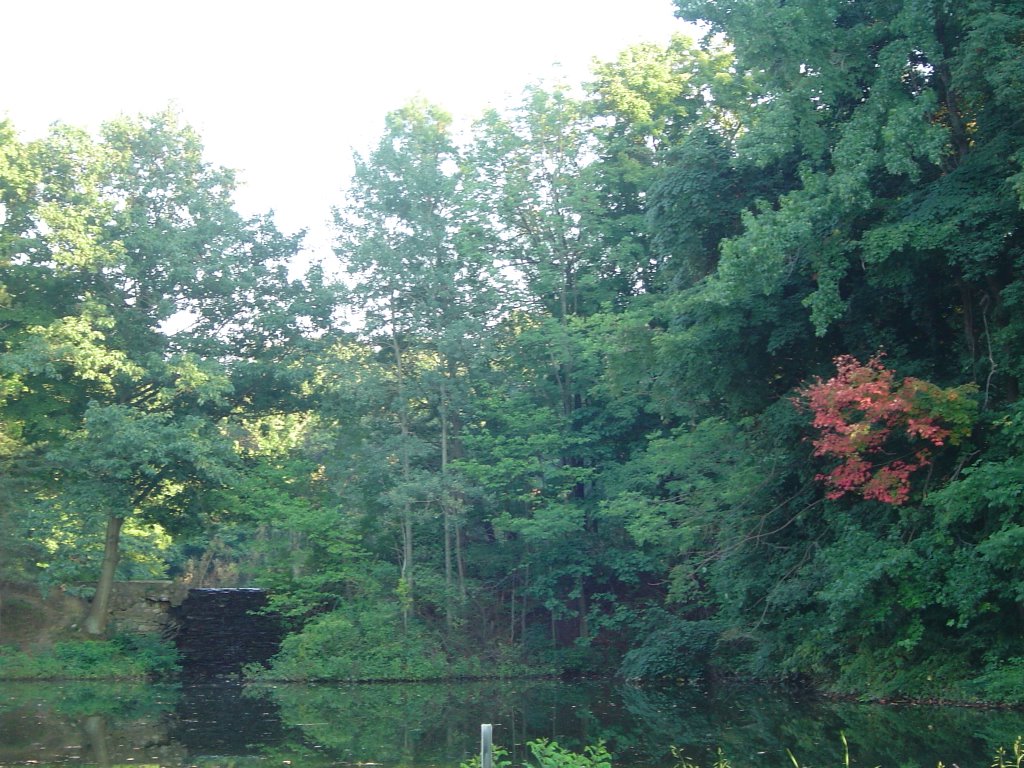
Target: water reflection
pixel 114 724
pixel 87 724
pixel 221 719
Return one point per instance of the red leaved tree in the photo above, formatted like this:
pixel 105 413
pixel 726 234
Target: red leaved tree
pixel 881 430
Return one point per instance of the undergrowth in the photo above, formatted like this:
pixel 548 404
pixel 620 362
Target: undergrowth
pixel 124 657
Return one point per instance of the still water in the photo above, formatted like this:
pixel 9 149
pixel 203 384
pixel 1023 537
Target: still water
pixel 224 724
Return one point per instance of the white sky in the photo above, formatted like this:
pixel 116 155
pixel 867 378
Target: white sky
pixel 284 92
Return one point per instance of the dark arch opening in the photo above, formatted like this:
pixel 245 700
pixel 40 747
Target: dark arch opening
pixel 219 631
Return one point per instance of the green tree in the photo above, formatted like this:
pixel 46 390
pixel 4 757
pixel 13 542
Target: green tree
pixel 17 179
pixel 426 294
pixel 667 119
pixel 138 295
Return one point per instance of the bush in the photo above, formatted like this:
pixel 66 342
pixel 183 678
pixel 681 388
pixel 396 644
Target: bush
pixel 676 649
pixel 122 658
pixel 1001 681
pixel 157 656
pixel 1013 758
pixel 549 755
pixel 359 643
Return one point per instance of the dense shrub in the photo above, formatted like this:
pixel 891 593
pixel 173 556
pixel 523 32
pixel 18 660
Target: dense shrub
pixel 123 657
pixel 359 643
pixel 677 649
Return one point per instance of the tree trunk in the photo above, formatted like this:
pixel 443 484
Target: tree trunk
pixel 454 452
pixel 522 613
pixel 460 562
pixel 448 610
pixel 584 608
pixel 407 580
pixel 96 621
pixel 408 583
pixel 295 541
pixel 199 577
pixel 512 616
pixel 446 509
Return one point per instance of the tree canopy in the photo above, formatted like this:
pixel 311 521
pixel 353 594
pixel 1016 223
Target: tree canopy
pixel 708 365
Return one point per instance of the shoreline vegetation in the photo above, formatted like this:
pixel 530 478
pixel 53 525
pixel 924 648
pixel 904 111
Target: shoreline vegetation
pixel 149 658
pixel 709 366
pixel 124 657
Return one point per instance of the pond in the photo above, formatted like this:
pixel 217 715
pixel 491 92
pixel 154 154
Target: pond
pixel 226 724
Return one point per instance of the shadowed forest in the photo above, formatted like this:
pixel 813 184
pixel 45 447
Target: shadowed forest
pixel 708 366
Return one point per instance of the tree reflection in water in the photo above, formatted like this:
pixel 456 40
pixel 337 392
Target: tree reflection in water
pixel 438 724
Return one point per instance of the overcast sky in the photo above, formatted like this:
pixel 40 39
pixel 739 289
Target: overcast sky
pixel 284 91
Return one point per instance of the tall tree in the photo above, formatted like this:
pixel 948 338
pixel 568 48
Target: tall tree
pixel 18 177
pixel 426 294
pixel 158 291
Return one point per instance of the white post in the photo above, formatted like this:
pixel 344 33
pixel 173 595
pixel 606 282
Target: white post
pixel 486 747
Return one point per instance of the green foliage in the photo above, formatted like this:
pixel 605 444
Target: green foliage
pixel 158 656
pixel 721 761
pixel 672 648
pixel 360 642
pixel 499 759
pixel 368 642
pixel 1014 758
pixel 1002 680
pixel 560 425
pixel 549 754
pixel 1004 759
pixel 123 657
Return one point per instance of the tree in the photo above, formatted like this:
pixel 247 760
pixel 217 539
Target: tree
pixel 18 177
pixel 426 292
pixel 667 119
pixel 130 462
pixel 155 294
pixel 890 116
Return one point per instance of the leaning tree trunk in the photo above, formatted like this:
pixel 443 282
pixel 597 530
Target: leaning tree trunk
pixel 96 621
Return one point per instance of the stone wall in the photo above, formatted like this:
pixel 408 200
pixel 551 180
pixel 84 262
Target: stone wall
pixel 28 617
pixel 144 607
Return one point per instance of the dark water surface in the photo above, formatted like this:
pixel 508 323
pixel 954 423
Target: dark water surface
pixel 224 724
